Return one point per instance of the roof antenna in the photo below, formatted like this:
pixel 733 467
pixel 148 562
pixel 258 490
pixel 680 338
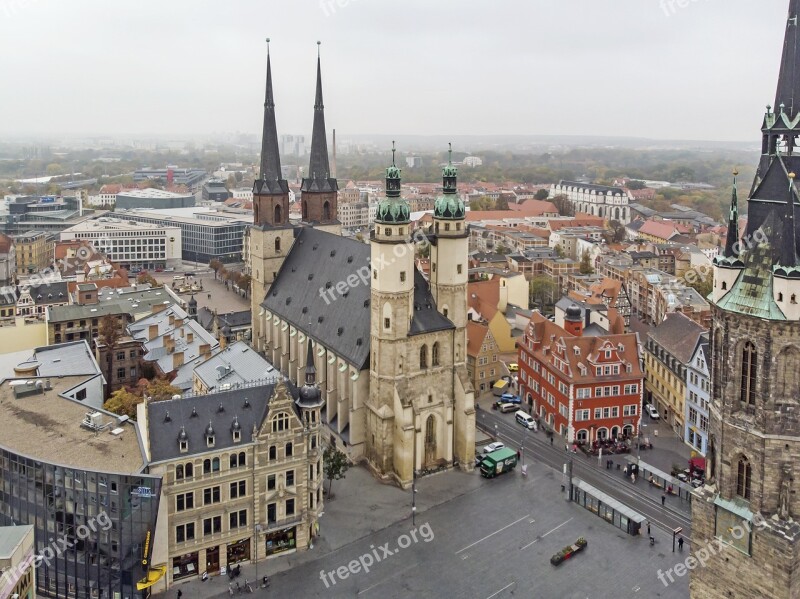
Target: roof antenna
pixel 450 154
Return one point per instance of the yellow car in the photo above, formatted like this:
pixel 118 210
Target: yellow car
pixel 513 367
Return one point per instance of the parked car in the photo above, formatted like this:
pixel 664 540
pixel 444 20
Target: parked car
pixel 493 447
pixel 505 408
pixel 652 411
pixel 513 367
pixel 498 462
pixel 510 398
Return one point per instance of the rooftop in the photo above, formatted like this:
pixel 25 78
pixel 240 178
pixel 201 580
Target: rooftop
pixel 234 366
pixel 47 427
pixel 74 358
pixel 11 537
pixel 678 335
pixel 105 223
pixel 193 215
pixel 151 193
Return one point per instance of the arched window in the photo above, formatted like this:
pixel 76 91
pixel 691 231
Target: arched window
pixel 273 452
pixel 215 465
pixel 277 244
pixel 724 285
pixel 748 377
pixel 423 356
pixel 435 354
pixel 278 214
pixel 234 463
pixel 305 210
pixel 242 459
pixel 744 473
pixel 179 472
pixel 189 471
pixel 289 450
pixel 206 466
pixel 326 211
pixel 430 430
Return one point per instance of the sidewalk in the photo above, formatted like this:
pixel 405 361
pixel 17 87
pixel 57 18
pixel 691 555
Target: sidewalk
pixel 667 450
pixel 360 507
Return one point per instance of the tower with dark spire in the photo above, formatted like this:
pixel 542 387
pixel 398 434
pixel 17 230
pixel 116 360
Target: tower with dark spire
pixel 753 457
pixel 319 190
pixel 268 241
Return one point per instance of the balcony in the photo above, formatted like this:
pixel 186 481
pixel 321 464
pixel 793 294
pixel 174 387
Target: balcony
pixel 282 523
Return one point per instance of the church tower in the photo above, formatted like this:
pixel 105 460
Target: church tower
pixel 449 255
pixel 392 305
pixel 749 499
pixel 319 190
pixel 271 235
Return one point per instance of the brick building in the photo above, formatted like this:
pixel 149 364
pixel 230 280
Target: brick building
pixel 584 388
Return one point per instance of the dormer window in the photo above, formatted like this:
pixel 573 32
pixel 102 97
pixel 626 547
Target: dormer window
pixel 183 441
pixel 210 435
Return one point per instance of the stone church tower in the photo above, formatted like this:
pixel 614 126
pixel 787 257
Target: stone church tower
pixel 750 500
pixel 420 412
pixel 271 235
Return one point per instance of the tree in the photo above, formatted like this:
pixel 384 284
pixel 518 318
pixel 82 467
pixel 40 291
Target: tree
pixel 54 169
pixel 541 289
pixel 335 465
pixel 617 231
pixel 244 284
pixel 501 249
pixel 634 185
pixel 144 278
pixel 559 251
pixel 123 402
pixel 703 282
pixel 109 333
pixel 586 267
pixel 424 249
pixel 542 194
pixel 158 389
pixel 501 203
pixel 215 265
pixel 564 206
pixel 481 203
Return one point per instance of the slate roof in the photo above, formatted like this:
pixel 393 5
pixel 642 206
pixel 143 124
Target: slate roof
pixel 235 319
pixel 316 259
pixel 236 365
pixel 166 418
pixel 50 293
pixel 788 92
pixel 678 335
pixel 426 319
pixel 73 358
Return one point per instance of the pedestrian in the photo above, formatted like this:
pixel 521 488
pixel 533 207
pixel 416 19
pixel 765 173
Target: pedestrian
pixel 633 477
pixel 648 528
pixel 566 447
pixel 663 499
pixel 680 543
pixel 180 594
pixel 519 455
pixel 551 441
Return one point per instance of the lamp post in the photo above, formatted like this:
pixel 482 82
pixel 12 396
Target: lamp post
pixel 414 477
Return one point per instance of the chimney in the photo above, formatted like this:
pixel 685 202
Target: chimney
pixel 177 360
pixel 205 350
pixel 189 337
pixel 223 341
pixel 172 319
pixel 152 332
pixel 169 344
pixel 178 323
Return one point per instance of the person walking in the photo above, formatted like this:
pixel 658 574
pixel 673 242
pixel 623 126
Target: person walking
pixel 663 500
pixel 680 543
pixel 180 594
pixel 648 528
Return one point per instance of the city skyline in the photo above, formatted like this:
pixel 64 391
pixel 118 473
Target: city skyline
pixel 624 68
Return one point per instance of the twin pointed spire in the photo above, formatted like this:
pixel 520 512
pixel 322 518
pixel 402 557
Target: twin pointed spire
pixel 270 173
pixel 318 177
pixel 788 92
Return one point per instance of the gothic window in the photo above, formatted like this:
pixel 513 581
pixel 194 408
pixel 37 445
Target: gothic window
pixel 430 431
pixel 277 245
pixel 423 356
pixel 305 210
pixel 743 476
pixel 780 297
pixel 326 211
pixel 435 354
pixel 278 214
pixel 748 382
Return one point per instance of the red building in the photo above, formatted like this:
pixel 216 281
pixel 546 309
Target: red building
pixel 585 387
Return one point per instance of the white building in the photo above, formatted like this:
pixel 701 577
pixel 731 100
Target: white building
pixel 129 243
pixel 612 203
pixel 473 161
pixel 243 194
pixel 698 396
pixel 357 214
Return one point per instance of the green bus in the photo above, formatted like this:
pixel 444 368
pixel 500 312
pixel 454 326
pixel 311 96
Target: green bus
pixel 497 462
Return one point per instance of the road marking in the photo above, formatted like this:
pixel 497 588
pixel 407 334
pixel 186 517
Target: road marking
pixel 501 590
pixel 377 584
pixel 545 534
pixel 531 521
pixel 494 533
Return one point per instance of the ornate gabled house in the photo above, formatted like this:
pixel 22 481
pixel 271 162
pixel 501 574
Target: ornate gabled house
pixel 754 443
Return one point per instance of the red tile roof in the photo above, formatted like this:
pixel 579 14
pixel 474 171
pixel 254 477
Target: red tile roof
pixel 476 333
pixel 665 230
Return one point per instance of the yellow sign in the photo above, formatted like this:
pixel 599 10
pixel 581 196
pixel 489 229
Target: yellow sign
pixel 153 576
pixel 146 548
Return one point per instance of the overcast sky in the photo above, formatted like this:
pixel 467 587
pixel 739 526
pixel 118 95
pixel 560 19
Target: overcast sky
pixel 556 67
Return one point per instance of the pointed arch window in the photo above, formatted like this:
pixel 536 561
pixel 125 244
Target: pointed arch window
pixel 748 377
pixel 277 245
pixel 423 357
pixel 326 211
pixel 744 473
pixel 430 430
pixel 278 214
pixel 435 354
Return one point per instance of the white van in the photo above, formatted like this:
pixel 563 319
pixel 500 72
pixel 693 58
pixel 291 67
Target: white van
pixel 525 420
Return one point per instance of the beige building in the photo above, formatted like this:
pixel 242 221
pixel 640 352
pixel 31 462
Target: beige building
pixel 242 475
pixel 482 362
pixel 17 557
pixel 34 251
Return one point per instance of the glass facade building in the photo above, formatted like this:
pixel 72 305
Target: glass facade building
pixel 93 530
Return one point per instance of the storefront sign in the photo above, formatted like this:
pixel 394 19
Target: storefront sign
pixel 146 548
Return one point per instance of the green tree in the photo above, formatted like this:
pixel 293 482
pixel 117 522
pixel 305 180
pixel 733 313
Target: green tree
pixel 335 465
pixel 586 267
pixel 123 402
pixel 617 231
pixel 542 194
pixel 559 251
pixel 501 203
pixel 635 185
pixel 542 290
pixel 158 389
pixel 54 169
pixel 481 203
pixel 564 206
pixel 108 334
pixel 703 282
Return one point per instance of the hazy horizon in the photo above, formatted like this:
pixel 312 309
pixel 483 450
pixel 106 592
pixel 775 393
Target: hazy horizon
pixel 637 69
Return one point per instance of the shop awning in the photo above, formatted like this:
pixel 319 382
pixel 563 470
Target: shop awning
pixel 153 576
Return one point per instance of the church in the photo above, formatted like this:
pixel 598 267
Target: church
pixel 389 346
pixel 749 501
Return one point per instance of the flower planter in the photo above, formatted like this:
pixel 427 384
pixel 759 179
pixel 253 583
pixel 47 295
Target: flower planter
pixel 568 552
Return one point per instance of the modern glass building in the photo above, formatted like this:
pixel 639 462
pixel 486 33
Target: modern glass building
pixel 79 478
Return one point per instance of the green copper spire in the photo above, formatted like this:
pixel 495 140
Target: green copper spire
pixel 449 205
pixel 393 209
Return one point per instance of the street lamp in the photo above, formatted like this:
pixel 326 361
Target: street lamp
pixel 639 442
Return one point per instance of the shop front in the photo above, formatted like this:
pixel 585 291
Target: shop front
pixel 212 560
pixel 239 552
pixel 280 541
pixel 184 566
